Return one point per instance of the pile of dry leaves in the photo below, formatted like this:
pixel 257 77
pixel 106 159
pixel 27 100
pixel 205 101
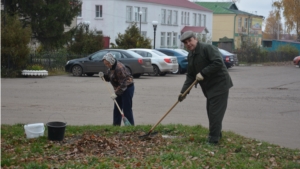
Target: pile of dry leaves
pixel 120 145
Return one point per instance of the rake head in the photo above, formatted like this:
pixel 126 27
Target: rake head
pixel 126 121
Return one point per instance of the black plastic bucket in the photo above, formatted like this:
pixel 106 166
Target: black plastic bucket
pixel 56 130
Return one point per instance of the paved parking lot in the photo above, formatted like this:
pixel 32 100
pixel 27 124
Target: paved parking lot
pixel 263 104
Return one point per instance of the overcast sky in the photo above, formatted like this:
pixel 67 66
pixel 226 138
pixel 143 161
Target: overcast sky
pixel 262 7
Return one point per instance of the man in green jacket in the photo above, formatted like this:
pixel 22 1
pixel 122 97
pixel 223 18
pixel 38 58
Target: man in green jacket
pixel 206 65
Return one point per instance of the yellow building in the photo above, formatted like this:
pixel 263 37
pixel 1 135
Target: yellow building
pixel 232 27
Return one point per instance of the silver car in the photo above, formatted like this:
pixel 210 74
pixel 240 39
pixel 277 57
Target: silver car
pixel 92 64
pixel 162 64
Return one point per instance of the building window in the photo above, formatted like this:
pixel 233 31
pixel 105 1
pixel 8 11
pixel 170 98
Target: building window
pixel 98 11
pixel 174 18
pixel 169 17
pixel 144 34
pixel 162 39
pixel 144 15
pixel 169 38
pixel 185 17
pixel 246 23
pixel 240 22
pixel 174 39
pixel 163 16
pixel 136 14
pixel 129 13
pixel 188 18
pixel 194 19
pixel 182 17
pixel 80 12
pixel 204 20
pixel 199 19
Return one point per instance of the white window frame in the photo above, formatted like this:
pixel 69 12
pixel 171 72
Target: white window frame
pixel 100 12
pixel 185 18
pixel 169 17
pixel 246 23
pixel 174 38
pixel 175 18
pixel 163 16
pixel 182 17
pixel 144 34
pixel 199 19
pixel 136 14
pixel 240 22
pixel 188 18
pixel 80 12
pixel 144 14
pixel 129 13
pixel 169 38
pixel 204 20
pixel 194 19
pixel 162 39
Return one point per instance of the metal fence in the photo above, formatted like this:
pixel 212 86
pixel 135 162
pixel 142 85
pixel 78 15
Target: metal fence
pixel 52 60
pixel 261 56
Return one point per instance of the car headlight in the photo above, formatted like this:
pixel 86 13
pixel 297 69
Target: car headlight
pixel 67 62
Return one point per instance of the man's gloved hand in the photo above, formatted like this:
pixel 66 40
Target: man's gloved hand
pixel 181 97
pixel 101 75
pixel 199 77
pixel 113 96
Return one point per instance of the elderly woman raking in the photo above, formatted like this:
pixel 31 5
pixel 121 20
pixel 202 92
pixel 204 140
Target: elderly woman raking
pixel 122 82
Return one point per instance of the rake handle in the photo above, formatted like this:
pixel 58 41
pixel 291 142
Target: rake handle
pixel 186 91
pixel 114 99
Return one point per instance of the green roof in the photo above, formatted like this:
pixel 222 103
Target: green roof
pixel 218 7
pixel 223 8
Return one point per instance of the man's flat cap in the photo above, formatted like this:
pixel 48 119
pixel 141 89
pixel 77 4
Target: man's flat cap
pixel 187 35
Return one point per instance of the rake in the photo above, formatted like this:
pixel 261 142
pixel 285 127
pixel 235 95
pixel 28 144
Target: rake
pixel 149 133
pixel 125 120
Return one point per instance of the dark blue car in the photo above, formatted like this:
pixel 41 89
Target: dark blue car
pixel 181 58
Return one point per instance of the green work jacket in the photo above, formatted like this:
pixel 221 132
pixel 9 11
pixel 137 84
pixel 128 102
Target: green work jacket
pixel 207 59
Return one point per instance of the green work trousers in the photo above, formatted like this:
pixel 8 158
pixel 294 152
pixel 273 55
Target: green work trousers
pixel 216 107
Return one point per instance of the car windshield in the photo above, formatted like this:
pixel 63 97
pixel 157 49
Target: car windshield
pixel 225 52
pixel 158 53
pixel 134 54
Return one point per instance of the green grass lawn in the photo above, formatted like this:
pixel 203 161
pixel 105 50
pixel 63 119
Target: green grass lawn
pixel 101 147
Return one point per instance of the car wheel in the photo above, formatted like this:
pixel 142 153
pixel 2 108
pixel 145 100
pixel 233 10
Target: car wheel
pixel 90 74
pixel 137 75
pixel 129 70
pixel 77 70
pixel 156 71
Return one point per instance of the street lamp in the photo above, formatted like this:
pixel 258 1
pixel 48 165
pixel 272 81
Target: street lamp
pixel 140 13
pixel 154 23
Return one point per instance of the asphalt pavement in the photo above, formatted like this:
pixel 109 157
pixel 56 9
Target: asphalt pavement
pixel 264 103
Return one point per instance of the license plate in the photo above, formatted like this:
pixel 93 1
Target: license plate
pixel 231 59
pixel 147 63
pixel 174 61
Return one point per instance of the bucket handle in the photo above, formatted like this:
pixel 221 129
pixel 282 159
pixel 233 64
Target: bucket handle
pixel 57 113
pixel 33 131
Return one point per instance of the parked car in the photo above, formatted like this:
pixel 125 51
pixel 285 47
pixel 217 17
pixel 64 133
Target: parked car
pixel 162 64
pixel 228 58
pixel 92 64
pixel 297 61
pixel 181 58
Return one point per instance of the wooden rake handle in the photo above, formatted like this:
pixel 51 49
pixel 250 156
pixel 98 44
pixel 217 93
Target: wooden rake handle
pixel 114 99
pixel 187 90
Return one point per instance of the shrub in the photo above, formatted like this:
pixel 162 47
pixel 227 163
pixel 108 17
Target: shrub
pixel 14 49
pixel 35 67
